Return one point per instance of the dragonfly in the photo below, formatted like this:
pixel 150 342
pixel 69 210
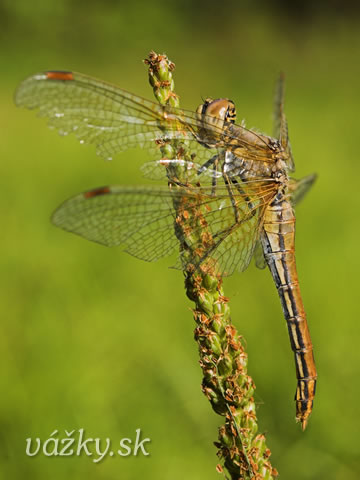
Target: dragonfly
pixel 237 178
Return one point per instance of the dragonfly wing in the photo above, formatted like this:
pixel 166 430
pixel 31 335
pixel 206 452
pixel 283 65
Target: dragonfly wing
pixel 278 114
pixel 299 188
pixel 115 120
pixel 144 219
pixel 237 233
pixel 280 121
pixel 110 118
pixel 140 218
pixel 101 114
pixel 236 242
pixel 259 258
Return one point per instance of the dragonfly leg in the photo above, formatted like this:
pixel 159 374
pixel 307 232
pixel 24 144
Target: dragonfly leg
pixel 214 176
pixel 232 198
pixel 243 193
pixel 208 163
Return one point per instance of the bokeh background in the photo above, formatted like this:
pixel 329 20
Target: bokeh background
pixel 92 338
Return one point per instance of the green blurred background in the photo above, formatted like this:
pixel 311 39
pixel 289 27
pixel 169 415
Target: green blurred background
pixel 93 338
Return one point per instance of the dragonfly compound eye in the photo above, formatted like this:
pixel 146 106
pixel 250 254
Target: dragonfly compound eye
pixel 213 115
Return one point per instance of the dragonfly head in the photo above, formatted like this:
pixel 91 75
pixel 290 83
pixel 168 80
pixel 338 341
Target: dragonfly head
pixel 222 110
pixel 213 116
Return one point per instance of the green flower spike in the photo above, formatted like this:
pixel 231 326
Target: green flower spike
pixel 223 359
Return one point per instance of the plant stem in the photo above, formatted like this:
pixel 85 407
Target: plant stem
pixel 222 355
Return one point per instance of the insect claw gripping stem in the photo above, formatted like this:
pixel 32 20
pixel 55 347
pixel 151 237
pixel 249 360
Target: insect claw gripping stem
pixel 223 359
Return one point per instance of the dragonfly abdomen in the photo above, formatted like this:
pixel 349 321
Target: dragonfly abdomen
pixel 278 240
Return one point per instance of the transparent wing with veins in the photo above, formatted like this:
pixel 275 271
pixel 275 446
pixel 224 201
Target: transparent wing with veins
pixel 143 220
pixel 114 120
pixel 280 122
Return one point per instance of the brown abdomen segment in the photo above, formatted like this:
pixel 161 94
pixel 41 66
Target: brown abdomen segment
pixel 278 240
